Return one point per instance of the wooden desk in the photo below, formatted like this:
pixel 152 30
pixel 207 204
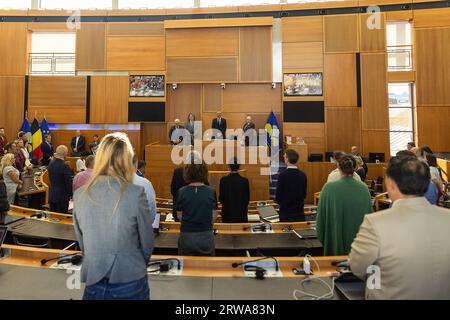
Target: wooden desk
pixel 53 217
pixel 192 266
pixel 302 150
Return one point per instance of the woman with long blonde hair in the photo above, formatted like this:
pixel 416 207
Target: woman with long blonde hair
pixel 11 176
pixel 113 224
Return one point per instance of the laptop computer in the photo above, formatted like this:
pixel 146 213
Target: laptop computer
pixel 3 231
pixel 306 233
pixel 269 214
pixel 350 287
pixel 9 218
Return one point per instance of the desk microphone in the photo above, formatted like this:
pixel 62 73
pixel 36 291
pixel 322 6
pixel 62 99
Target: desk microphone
pixel 75 259
pixel 237 264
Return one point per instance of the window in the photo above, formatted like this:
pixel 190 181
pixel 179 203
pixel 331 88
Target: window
pixel 153 4
pixel 52 53
pixel 399 47
pixel 222 3
pixel 15 4
pixel 401 121
pixel 75 4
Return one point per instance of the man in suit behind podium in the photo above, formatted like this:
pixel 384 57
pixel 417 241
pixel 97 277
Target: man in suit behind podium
pixel 77 144
pixel 60 181
pixel 176 133
pixel 220 124
pixel 249 131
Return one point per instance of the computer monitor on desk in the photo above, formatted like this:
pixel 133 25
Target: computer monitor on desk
pixel 376 157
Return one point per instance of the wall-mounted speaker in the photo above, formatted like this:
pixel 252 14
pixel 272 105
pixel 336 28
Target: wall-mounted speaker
pixel 303 111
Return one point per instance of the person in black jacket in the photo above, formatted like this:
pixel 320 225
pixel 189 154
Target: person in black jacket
pixel 234 195
pixel 291 190
pixel 60 181
pixel 220 124
pixel 77 144
pixel 176 184
pixel 47 150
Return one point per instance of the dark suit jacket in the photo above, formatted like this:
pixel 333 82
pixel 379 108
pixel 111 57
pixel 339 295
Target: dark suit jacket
pixel 60 181
pixel 234 196
pixel 222 127
pixel 291 194
pixel 47 152
pixel 253 135
pixel 79 146
pixel 176 184
pixel 20 160
pixel 2 145
pixel 180 136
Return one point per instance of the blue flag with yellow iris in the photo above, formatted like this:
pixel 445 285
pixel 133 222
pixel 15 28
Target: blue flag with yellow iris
pixel 273 131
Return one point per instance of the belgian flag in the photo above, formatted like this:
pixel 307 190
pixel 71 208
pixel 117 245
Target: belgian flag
pixel 36 138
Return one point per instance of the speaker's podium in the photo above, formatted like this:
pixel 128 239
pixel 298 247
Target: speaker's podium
pixel 163 159
pixel 302 150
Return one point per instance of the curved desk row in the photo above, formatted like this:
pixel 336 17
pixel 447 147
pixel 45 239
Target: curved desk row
pixel 33 232
pixel 199 279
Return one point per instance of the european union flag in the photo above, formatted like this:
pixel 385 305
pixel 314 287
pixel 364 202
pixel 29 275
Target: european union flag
pixel 273 131
pixel 44 128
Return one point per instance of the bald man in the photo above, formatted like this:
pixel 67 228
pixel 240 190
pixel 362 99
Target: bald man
pixel 220 124
pixel 249 131
pixel 176 133
pixel 60 181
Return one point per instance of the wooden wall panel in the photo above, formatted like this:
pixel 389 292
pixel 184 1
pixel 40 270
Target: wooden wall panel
pixel 212 97
pixel 433 127
pixel 135 29
pixel 251 98
pixel 154 133
pixel 341 33
pixel 375 141
pixel 340 80
pixel 343 128
pixel 13 49
pixel 375 113
pixel 91 47
pixel 312 133
pixel 205 42
pixel 302 29
pixel 61 99
pixel 372 38
pixel 302 55
pixel 431 18
pixel 109 99
pixel 11 104
pixel 187 98
pixel 136 53
pixel 202 70
pixel 432 49
pixel 255 54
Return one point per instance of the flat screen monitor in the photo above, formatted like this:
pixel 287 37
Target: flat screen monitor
pixel 147 86
pixel 376 157
pixel 303 84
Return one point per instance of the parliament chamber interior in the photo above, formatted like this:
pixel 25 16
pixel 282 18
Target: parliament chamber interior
pixel 224 150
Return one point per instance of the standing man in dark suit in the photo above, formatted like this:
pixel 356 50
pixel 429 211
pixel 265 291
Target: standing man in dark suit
pixel 47 149
pixel 60 181
pixel 77 144
pixel 176 184
pixel 250 134
pixel 291 189
pixel 2 141
pixel 234 195
pixel 220 124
